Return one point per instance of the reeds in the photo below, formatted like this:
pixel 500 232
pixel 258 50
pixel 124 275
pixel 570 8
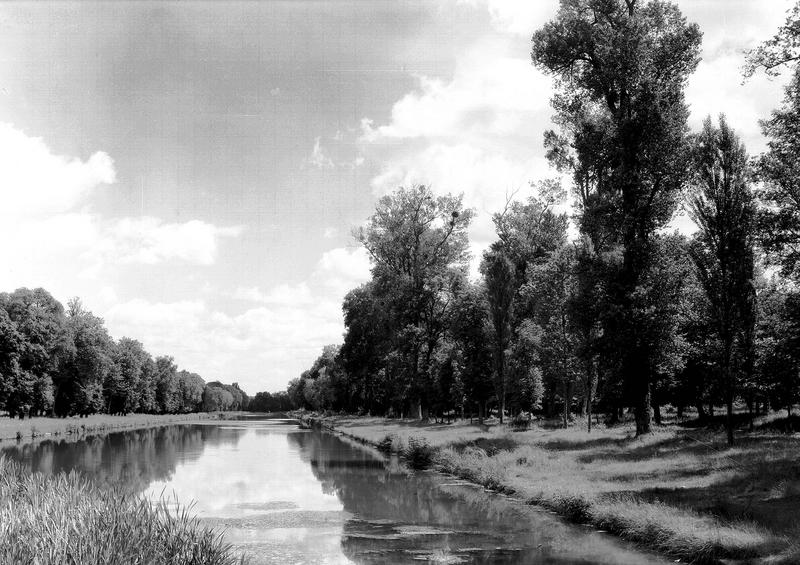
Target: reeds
pixel 65 518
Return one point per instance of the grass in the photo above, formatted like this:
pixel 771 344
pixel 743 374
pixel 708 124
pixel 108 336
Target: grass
pixel 33 428
pixel 680 490
pixel 57 519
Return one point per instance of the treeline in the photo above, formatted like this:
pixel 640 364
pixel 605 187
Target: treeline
pixel 63 362
pixel 625 316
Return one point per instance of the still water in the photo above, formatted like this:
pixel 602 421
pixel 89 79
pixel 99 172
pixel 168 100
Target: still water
pixel 286 495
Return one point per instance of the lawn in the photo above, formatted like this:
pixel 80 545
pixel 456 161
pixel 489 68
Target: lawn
pixel 32 428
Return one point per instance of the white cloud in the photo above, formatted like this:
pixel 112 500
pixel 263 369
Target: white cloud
pixel 36 183
pixel 148 240
pixel 342 269
pixel 479 133
pixel 283 294
pixel 518 17
pixel 318 157
pixel 56 240
pixel 264 346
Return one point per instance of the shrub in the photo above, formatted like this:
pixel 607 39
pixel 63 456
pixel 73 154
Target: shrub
pixel 388 444
pixel 520 422
pixel 419 453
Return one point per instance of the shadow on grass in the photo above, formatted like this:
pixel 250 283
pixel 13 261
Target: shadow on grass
pixel 492 446
pixel 759 479
pixel 582 445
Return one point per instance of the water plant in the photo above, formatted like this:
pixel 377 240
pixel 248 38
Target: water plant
pixel 65 518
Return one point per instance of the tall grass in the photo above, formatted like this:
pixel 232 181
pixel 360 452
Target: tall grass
pixel 56 519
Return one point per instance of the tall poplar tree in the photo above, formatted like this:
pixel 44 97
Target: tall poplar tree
pixel 621 67
pixel 723 248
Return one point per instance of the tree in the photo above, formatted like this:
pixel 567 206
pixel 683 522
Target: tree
pixel 621 67
pixel 471 331
pixel 723 248
pixel 79 389
pixel 216 399
pixel 367 341
pixel 418 245
pixel 168 397
pixel 498 273
pixel 124 392
pixel 552 283
pixel 190 391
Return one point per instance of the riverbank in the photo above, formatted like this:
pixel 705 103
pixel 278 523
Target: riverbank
pixel 33 429
pixel 55 519
pixel 682 492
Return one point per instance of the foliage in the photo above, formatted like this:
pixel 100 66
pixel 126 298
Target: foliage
pixel 723 248
pixel 64 363
pixel 419 453
pixel 621 67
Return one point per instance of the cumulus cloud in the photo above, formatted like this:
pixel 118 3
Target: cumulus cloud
pixel 55 238
pixel 271 341
pixel 148 240
pixel 518 17
pixel 479 132
pixel 37 183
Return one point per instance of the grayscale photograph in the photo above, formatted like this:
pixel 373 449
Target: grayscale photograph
pixel 327 282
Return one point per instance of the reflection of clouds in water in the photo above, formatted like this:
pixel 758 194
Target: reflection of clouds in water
pixel 307 546
pixel 228 480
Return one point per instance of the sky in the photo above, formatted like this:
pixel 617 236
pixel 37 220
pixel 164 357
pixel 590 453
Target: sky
pixel 193 171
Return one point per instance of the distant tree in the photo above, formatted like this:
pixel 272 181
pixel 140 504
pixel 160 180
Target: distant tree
pixel 11 348
pixel 190 391
pixel 216 399
pixel 168 398
pixel 148 402
pixel 723 249
pixel 39 321
pixel 621 68
pixel 79 389
pixel 125 391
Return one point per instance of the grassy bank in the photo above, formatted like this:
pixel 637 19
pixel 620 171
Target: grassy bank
pixel 682 492
pixel 51 520
pixel 33 428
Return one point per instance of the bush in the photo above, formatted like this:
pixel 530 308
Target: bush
pixel 419 453
pixel 388 444
pixel 520 422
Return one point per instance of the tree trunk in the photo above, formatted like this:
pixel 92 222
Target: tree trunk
pixel 641 411
pixel 657 413
pixel 589 395
pixel 727 374
pixel 503 395
pixel 566 404
pixel 701 411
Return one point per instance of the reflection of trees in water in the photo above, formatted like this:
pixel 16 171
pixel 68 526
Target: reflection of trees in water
pixel 400 517
pixel 132 458
pixel 368 487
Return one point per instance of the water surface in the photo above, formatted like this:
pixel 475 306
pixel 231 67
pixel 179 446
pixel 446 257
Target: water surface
pixel 286 495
